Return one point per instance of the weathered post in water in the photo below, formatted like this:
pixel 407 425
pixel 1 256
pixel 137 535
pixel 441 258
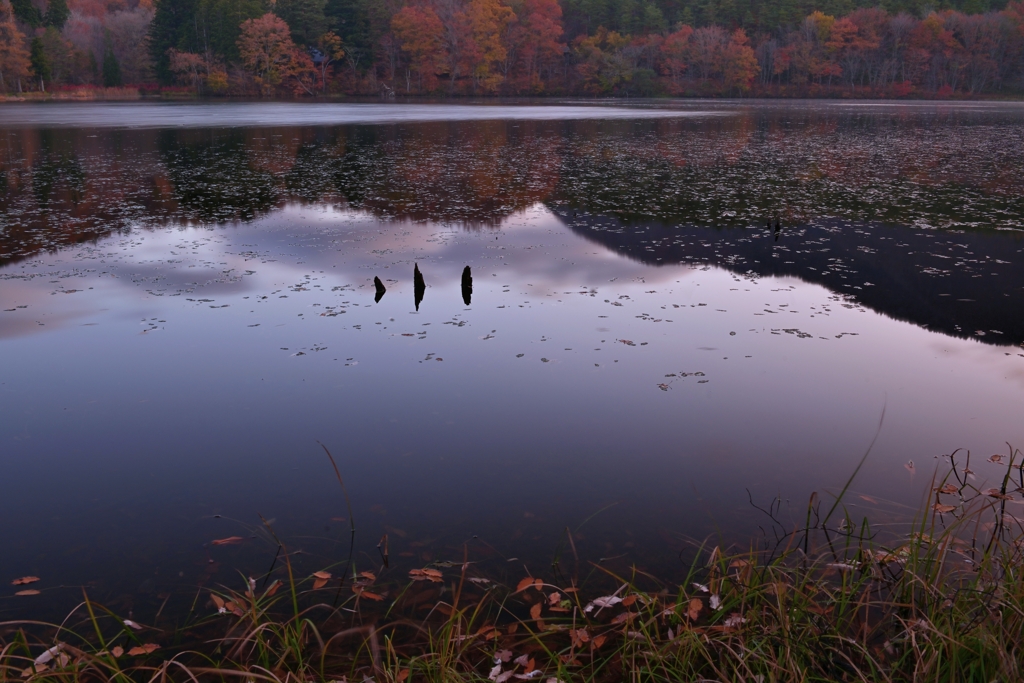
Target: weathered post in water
pixel 418 286
pixel 467 285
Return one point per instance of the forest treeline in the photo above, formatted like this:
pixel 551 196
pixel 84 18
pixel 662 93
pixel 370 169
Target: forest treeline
pixel 515 47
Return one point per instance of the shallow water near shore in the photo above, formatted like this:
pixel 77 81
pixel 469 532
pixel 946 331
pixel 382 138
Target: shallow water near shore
pixel 664 317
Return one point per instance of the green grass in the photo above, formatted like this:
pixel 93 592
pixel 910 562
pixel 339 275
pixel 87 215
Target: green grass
pixel 828 601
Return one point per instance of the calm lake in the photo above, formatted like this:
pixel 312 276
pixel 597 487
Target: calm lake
pixel 671 309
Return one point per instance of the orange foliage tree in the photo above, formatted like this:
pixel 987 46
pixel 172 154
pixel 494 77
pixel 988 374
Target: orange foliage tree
pixel 739 65
pixel 269 55
pixel 14 57
pixel 533 41
pixel 485 51
pixel 674 51
pixel 420 34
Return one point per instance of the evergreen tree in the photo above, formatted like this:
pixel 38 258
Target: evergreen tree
pixel 57 14
pixel 111 70
pixel 216 27
pixel 26 12
pixel 305 18
pixel 351 19
pixel 172 20
pixel 40 62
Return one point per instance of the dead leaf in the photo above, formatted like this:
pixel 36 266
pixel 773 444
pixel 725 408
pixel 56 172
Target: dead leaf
pixel 367 575
pixel 117 651
pixel 139 650
pixel 320 579
pixel 628 600
pixel 947 488
pixel 996 493
pixel 361 592
pixel 602 602
pixel 217 601
pixel 503 655
pixel 231 540
pixel 48 655
pixel 579 637
pixel 940 508
pixel 554 598
pixel 598 641
pixel 402 675
pixel 535 611
pixel 274 587
pixel 132 625
pixel 528 582
pixel 24 580
pixel 694 608
pixel 998 459
pixel 425 575
pixel 30 591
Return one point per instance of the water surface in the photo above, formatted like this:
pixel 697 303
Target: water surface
pixel 672 310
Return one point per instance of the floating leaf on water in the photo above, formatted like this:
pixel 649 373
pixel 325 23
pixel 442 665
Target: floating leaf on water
pixel 426 575
pixel 231 540
pixel 361 592
pixel 997 459
pixel 24 580
pixel 715 601
pixel 694 608
pixel 579 637
pixel 529 582
pixel 601 603
pixel 30 591
pixel 996 493
pixel 535 611
pixel 131 624
pixel 947 488
pixel 117 651
pixel 940 508
pixel 146 649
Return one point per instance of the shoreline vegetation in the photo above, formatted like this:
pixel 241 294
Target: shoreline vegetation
pixel 121 49
pixel 176 94
pixel 832 599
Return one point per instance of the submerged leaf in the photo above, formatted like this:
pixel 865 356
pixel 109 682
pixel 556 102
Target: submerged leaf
pixel 230 540
pixel 24 580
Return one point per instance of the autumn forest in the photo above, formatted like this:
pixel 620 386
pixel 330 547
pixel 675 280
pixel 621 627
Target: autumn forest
pixel 318 48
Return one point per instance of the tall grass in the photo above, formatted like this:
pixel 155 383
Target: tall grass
pixel 826 601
